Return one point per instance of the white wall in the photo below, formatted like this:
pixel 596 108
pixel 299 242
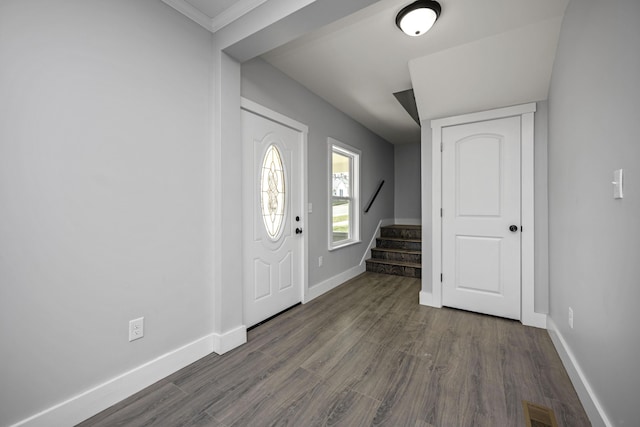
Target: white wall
pixel 266 85
pixel 594 240
pixel 104 133
pixel 407 181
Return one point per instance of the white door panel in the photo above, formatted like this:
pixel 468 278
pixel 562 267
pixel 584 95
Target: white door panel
pixel 272 196
pixel 481 200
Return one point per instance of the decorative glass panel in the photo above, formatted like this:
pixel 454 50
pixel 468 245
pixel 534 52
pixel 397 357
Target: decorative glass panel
pixel 272 191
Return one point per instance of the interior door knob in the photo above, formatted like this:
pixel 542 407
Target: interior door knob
pixel 513 228
pixel 298 230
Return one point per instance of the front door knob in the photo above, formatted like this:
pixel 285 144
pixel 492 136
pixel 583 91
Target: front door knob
pixel 298 230
pixel 513 228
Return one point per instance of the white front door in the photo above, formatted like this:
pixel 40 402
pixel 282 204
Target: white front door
pixel 272 217
pixel 481 217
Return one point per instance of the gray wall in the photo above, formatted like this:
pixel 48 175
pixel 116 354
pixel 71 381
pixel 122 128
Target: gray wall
pixel 407 180
pixel 104 133
pixel 267 86
pixel 594 240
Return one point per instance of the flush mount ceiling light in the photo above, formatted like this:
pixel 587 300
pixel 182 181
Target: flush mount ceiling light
pixel 417 18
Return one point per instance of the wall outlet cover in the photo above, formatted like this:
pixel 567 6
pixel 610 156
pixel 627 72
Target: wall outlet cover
pixel 136 328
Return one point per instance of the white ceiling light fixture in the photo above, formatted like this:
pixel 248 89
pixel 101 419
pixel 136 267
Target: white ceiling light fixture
pixel 418 17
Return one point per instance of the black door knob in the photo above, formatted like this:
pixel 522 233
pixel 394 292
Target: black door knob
pixel 298 230
pixel 513 228
pixel 298 218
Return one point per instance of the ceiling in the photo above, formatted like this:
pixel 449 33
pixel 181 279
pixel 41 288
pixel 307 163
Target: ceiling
pixel 479 55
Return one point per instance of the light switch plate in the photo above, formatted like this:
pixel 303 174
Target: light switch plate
pixel 617 184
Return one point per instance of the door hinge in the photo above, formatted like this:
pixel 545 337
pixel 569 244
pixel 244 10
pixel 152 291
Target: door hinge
pixel 441 212
pixel 521 228
pixel 440 277
pixel 441 147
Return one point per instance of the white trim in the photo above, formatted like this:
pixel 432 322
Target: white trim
pixel 434 298
pixel 233 12
pixel 588 398
pixel 355 215
pixel 99 398
pixel 408 221
pixel 223 343
pixel 255 108
pixel 215 23
pixel 376 233
pixel 191 12
pixel 333 282
pixel 528 315
pixel 498 113
pixel 260 110
pixel 428 299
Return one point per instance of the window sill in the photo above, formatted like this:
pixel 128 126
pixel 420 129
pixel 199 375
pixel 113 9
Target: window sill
pixel 344 244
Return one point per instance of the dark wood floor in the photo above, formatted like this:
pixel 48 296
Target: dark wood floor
pixel 365 354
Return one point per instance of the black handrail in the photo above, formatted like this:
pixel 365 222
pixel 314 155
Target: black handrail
pixel 373 199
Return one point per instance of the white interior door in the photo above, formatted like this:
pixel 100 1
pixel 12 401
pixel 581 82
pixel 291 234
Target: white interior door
pixel 481 217
pixel 272 218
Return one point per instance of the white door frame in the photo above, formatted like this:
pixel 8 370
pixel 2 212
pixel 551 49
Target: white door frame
pixel 260 110
pixel 434 298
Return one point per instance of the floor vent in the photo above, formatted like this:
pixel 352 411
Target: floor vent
pixel 538 416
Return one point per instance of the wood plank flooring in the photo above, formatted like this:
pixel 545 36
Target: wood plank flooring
pixel 365 354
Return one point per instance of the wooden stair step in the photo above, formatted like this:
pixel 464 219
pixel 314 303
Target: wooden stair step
pixel 404 251
pixel 391 262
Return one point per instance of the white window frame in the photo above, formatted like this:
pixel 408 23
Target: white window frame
pixel 333 145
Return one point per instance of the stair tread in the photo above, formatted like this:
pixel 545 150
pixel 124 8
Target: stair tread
pixel 404 251
pixel 411 227
pixel 399 239
pixel 391 262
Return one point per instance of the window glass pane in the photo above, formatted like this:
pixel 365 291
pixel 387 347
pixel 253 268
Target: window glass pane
pixel 341 169
pixel 272 191
pixel 340 221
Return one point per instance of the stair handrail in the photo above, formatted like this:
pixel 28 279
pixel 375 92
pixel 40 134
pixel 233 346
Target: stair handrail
pixel 373 199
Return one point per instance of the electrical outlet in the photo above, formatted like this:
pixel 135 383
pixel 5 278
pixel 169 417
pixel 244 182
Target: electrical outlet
pixel 136 328
pixel 571 317
pixel 320 261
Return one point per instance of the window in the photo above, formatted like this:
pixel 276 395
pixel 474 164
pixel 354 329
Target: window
pixel 344 194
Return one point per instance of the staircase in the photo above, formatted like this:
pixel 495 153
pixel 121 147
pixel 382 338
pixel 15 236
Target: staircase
pixel 398 251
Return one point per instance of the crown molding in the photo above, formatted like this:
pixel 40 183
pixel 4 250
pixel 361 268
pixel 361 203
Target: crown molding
pixel 234 12
pixel 191 12
pixel 215 23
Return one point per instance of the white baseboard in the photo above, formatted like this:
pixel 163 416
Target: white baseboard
pixel 408 221
pixel 537 320
pixel 426 298
pixel 223 343
pixel 589 400
pixel 99 398
pixel 376 233
pixel 333 282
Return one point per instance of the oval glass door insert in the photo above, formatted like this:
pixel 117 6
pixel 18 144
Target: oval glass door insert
pixel 272 192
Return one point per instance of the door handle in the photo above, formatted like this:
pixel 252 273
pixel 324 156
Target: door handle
pixel 513 228
pixel 298 230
